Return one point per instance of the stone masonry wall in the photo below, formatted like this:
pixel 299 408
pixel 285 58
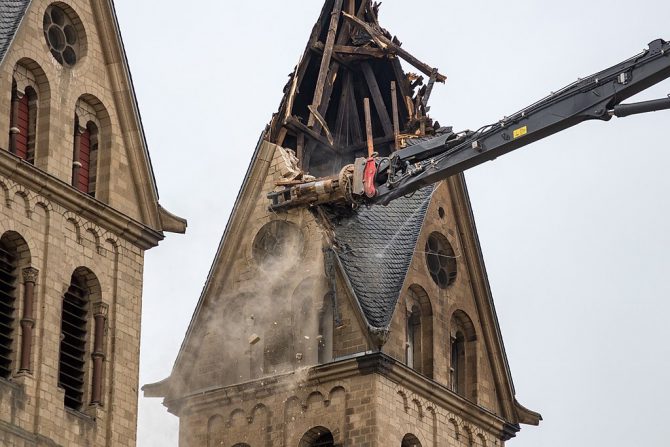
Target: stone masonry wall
pixel 31 405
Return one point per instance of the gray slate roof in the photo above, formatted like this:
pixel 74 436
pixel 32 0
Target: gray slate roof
pixel 376 246
pixel 11 13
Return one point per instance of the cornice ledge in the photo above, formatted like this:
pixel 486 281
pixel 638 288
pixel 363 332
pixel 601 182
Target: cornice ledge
pixel 60 192
pixel 171 222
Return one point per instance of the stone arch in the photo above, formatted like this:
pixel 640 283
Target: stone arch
pixel 15 258
pixel 463 355
pixel 317 436
pixel 337 395
pixel 6 200
pixel 455 426
pixel 22 197
pixel 468 436
pixel 420 330
pixel 237 418
pixel 93 131
pixel 258 411
pixel 314 398
pixel 81 300
pixel 18 244
pixel 215 431
pixel 93 236
pixel 75 226
pixel 410 440
pixel 403 397
pixel 419 407
pixel 31 84
pixel 292 408
pixel 481 440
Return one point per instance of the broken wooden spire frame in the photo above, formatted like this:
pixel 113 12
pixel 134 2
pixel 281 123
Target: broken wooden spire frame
pixel 349 57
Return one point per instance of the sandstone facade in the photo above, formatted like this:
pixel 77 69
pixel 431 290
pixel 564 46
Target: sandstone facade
pixel 57 234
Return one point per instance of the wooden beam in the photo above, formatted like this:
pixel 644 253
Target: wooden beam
pixel 325 60
pixel 380 106
pixel 354 117
pixel 323 124
pixel 300 149
pixel 368 127
pixel 282 136
pixel 295 124
pixel 365 51
pixel 341 122
pixel 387 45
pixel 396 118
pixel 377 142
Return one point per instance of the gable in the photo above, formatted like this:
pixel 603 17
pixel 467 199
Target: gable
pixel 461 307
pixel 80 84
pixel 319 129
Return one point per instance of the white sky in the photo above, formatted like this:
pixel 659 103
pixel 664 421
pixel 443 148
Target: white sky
pixel 573 228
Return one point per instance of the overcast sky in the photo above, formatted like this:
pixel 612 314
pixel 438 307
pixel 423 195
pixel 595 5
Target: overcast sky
pixel 574 229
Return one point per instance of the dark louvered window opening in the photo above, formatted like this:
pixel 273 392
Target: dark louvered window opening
pixel 325 440
pixel 7 309
pixel 73 345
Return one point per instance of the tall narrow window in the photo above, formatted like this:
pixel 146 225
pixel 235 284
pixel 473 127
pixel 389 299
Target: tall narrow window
pixel 73 343
pixel 92 158
pixel 8 267
pixel 419 331
pixel 457 370
pixel 414 338
pixel 23 119
pixel 463 356
pixel 85 157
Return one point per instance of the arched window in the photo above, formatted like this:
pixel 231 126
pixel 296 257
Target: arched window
pixel 419 331
pixel 414 338
pixel 410 441
pixel 317 437
pixel 91 155
pixel 14 260
pixel 457 370
pixel 463 356
pixel 23 121
pixel 85 157
pixel 8 288
pixel 81 313
pixel 74 329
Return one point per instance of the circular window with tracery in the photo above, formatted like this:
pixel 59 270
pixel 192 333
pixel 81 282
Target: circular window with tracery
pixel 278 241
pixel 441 260
pixel 63 32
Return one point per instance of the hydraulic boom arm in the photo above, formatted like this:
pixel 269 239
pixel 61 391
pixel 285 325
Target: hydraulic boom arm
pixel 597 97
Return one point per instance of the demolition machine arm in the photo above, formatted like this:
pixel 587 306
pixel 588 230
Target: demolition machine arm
pixel 379 180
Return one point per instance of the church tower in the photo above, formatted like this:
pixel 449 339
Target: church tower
pixel 327 326
pixel 78 209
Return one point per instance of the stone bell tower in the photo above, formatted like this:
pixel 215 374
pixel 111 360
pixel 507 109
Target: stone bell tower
pixel 79 208
pixel 325 326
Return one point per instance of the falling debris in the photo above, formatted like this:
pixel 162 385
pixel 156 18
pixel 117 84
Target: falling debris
pixel 254 339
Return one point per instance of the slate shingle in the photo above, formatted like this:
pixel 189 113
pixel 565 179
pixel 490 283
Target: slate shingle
pixel 11 13
pixel 376 246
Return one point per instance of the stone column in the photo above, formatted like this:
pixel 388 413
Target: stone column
pixel 28 321
pixel 100 311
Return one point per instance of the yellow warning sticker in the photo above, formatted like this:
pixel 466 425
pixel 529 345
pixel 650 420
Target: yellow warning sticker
pixel 520 132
